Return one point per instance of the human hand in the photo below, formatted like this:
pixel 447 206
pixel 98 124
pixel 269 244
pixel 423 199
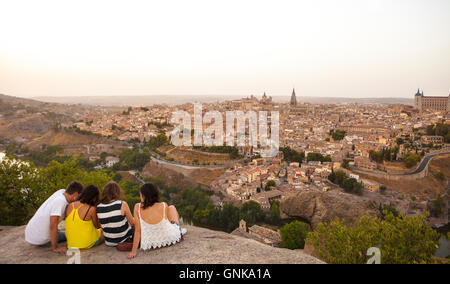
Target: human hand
pixel 60 250
pixel 131 255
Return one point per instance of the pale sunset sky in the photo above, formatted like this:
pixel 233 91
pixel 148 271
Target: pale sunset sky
pixel 323 48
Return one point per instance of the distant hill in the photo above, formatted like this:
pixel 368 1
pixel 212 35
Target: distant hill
pixel 26 102
pixel 32 122
pixel 181 99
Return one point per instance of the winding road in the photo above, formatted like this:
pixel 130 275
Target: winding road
pixel 422 166
pixel 425 161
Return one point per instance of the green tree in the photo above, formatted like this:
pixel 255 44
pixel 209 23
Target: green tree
pixel 131 192
pixel 411 160
pixel 436 207
pixel 316 157
pixel 346 164
pixel 20 192
pixel 337 135
pixel 274 217
pixel 401 240
pixel 269 184
pixel 201 216
pixel 293 235
pixel 23 187
pixel 135 159
pixel 292 156
pixel 252 213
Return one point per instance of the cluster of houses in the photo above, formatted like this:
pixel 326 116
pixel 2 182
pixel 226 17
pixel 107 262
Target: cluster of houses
pixel 135 124
pixel 267 179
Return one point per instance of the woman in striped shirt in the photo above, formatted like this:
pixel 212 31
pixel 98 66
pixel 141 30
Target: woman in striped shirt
pixel 115 216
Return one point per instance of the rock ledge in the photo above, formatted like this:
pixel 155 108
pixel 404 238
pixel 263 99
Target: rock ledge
pixel 200 246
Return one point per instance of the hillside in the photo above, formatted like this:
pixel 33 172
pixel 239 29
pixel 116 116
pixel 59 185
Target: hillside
pixel 185 155
pixel 27 102
pixel 64 138
pixel 23 119
pixel 178 175
pixel 200 246
pixel 25 127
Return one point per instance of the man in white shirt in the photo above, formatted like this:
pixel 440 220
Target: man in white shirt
pixel 42 229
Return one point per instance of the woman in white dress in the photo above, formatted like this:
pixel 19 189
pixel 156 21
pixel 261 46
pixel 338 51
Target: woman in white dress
pixel 156 224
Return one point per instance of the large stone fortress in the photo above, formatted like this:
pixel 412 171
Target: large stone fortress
pixel 431 103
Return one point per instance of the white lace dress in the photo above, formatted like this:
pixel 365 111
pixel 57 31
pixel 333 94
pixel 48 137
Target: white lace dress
pixel 158 235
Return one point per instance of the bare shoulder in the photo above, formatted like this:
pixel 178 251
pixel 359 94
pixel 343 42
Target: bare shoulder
pixel 69 207
pixel 93 211
pixel 125 204
pixel 124 207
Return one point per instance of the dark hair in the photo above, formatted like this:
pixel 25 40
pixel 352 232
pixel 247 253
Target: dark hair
pixel 111 191
pixel 90 195
pixel 150 192
pixel 74 187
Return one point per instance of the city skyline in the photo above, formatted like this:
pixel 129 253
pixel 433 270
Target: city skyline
pixel 349 49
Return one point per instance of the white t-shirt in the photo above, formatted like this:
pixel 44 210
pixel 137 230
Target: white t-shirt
pixel 37 231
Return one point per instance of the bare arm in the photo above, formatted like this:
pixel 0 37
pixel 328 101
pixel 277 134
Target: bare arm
pixel 127 213
pixel 137 233
pixel 54 220
pixel 95 220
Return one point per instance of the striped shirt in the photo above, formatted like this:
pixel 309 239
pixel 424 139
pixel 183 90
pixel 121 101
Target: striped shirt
pixel 115 226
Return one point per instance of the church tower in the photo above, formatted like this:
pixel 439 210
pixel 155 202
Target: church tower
pixel 418 100
pixel 293 98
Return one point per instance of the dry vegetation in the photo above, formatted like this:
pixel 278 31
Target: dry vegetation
pixel 28 126
pixel 181 177
pixel 185 155
pixel 206 176
pixel 71 139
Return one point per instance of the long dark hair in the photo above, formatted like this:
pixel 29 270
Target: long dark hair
pixel 90 195
pixel 111 192
pixel 150 193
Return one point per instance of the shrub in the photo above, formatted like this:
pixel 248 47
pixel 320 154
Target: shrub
pixel 401 240
pixel 411 160
pixel 23 188
pixel 293 235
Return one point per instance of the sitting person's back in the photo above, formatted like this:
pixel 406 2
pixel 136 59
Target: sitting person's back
pixel 42 229
pixel 156 224
pixel 156 230
pixel 114 216
pixel 83 232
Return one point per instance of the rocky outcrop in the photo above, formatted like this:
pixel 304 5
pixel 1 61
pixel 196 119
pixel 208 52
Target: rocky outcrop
pixel 199 246
pixel 317 206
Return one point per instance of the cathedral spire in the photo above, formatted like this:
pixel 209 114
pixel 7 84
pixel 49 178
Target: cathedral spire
pixel 293 98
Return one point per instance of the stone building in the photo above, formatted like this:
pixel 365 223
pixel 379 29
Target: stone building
pixel 431 103
pixel 258 233
pixel 365 163
pixel 265 235
pixel 426 139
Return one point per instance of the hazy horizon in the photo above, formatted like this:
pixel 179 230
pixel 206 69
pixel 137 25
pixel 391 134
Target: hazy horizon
pixel 180 99
pixel 325 48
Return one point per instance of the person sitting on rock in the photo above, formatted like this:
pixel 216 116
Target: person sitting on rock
pixel 156 224
pixel 42 229
pixel 115 216
pixel 84 233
